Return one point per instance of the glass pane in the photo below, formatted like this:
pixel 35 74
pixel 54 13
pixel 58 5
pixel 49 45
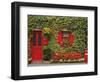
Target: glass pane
pixel 34 39
pixel 39 39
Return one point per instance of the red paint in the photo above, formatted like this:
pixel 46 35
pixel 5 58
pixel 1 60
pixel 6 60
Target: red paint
pixel 37 49
pixel 85 56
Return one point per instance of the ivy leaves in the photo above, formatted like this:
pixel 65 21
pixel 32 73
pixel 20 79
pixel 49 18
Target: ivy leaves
pixel 77 25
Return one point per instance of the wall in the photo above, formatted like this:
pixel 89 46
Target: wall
pixel 5 39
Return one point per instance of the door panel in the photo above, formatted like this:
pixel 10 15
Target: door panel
pixel 37 47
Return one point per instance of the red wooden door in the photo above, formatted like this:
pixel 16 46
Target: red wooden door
pixel 37 47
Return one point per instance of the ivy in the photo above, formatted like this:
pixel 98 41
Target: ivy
pixel 77 25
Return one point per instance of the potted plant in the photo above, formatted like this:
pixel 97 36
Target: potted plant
pixel 47 53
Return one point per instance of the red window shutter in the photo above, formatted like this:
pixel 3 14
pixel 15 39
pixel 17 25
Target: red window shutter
pixel 60 39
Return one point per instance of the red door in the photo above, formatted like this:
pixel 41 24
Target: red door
pixel 37 47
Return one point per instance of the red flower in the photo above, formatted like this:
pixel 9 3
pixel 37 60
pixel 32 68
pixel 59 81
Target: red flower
pixel 67 56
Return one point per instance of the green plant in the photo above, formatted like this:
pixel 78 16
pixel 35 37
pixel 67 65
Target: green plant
pixel 47 36
pixel 77 25
pixel 47 53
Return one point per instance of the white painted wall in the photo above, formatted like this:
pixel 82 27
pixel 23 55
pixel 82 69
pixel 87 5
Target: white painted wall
pixel 5 40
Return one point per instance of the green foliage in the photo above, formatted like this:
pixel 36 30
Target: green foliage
pixel 77 25
pixel 47 53
pixel 47 36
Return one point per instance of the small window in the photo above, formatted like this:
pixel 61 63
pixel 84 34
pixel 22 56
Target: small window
pixel 65 34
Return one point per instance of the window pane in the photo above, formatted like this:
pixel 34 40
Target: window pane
pixel 34 39
pixel 39 39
